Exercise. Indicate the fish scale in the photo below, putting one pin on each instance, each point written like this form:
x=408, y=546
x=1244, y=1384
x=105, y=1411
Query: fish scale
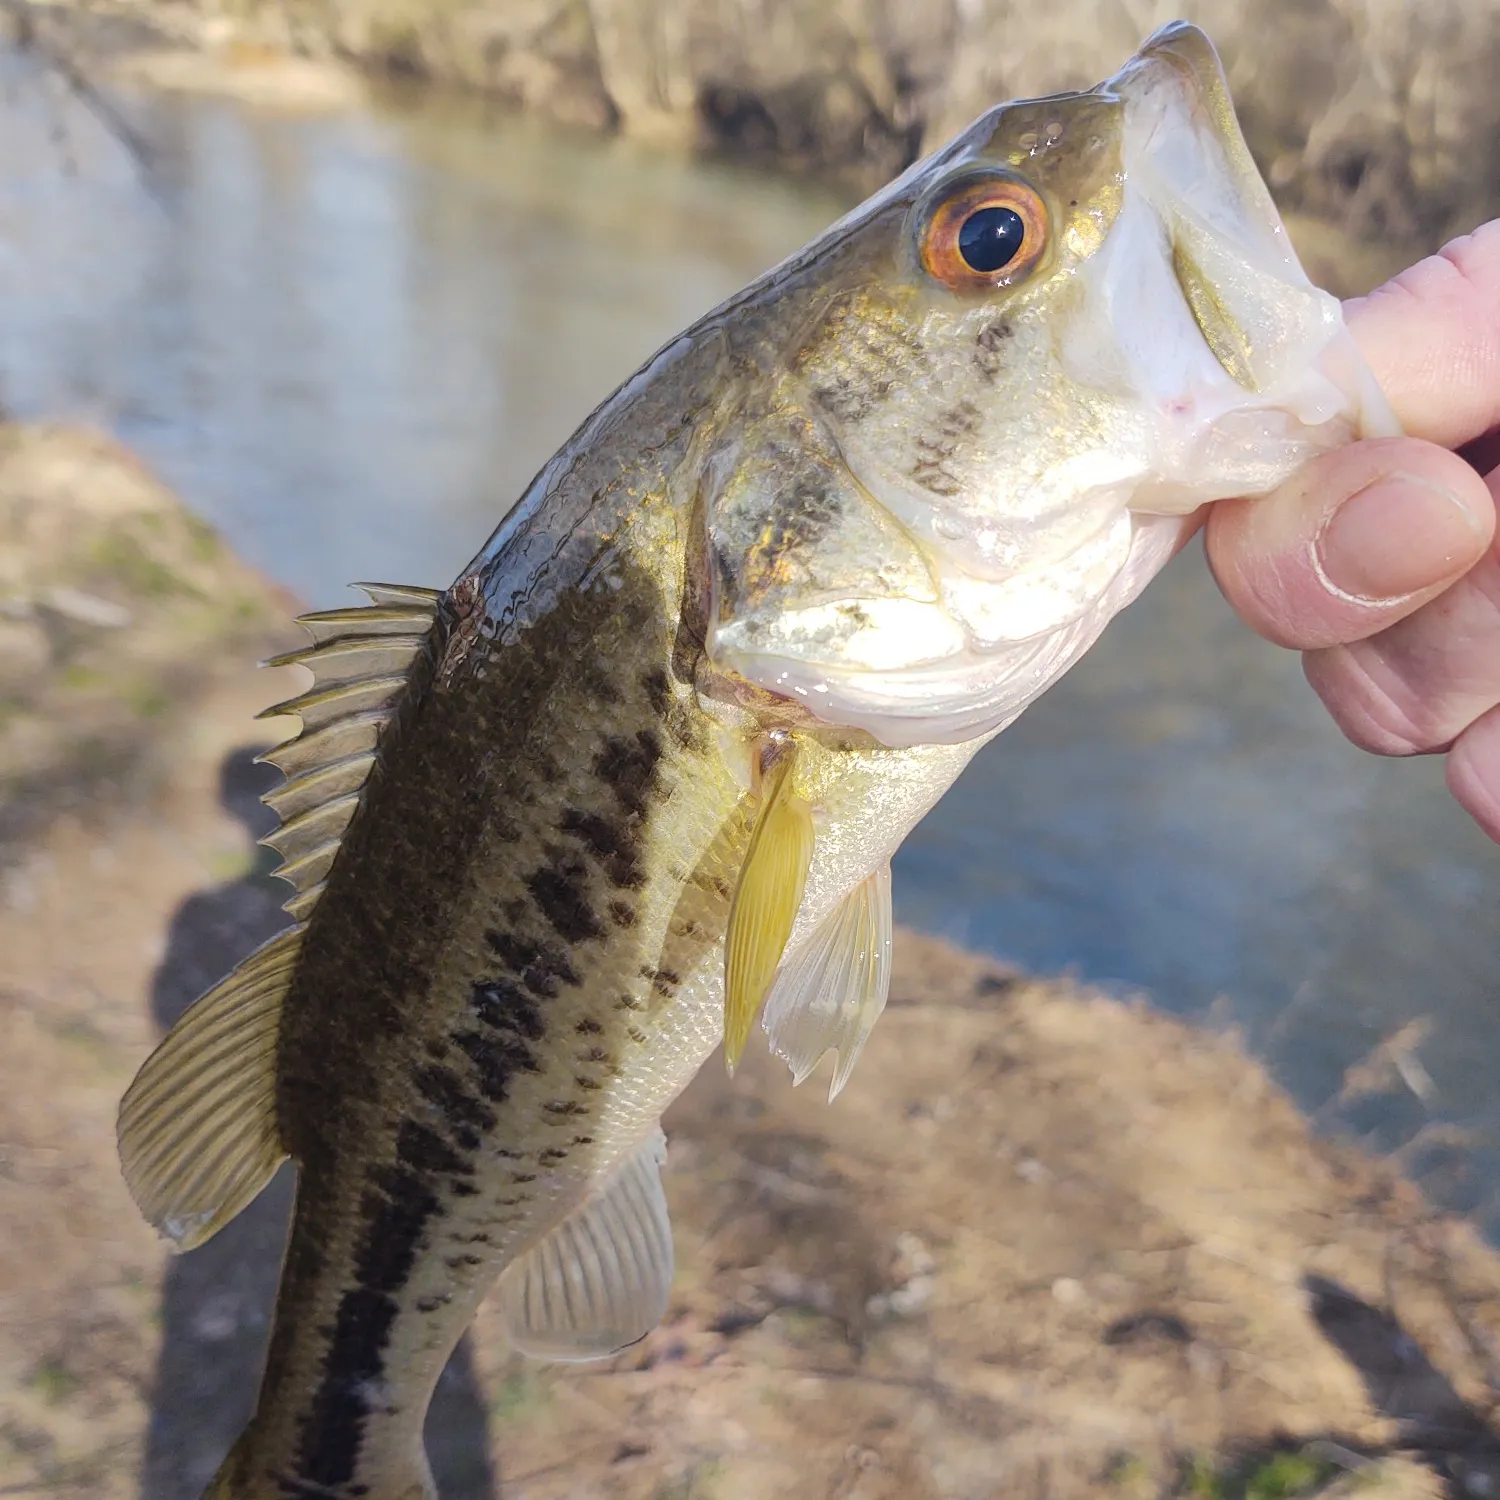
x=638, y=775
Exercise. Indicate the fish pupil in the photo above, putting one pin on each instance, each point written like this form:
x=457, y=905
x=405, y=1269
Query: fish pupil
x=990, y=238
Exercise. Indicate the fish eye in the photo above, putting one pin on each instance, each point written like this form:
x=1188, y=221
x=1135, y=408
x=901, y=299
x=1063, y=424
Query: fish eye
x=984, y=232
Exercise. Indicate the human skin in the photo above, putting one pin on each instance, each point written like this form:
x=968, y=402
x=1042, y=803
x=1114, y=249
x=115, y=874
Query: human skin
x=1378, y=561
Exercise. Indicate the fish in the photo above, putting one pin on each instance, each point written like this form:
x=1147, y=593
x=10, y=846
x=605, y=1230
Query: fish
x=635, y=778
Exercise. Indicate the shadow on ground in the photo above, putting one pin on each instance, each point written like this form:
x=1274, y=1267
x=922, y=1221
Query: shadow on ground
x=216, y=1303
x=1451, y=1435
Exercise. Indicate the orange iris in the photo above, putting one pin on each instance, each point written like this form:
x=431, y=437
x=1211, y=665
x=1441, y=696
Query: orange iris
x=988, y=231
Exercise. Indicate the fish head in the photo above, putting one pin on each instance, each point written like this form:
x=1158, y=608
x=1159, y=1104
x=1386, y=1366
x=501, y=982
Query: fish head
x=990, y=400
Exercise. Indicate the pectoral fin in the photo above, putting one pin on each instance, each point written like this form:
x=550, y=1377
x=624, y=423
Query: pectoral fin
x=599, y=1281
x=831, y=991
x=766, y=901
x=197, y=1129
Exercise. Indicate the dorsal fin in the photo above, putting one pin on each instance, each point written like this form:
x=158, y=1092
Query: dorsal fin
x=360, y=659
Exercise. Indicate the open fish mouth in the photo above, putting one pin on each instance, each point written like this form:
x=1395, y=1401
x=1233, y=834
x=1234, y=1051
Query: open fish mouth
x=1244, y=361
x=1168, y=351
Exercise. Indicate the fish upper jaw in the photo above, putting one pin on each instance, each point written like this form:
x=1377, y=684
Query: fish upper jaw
x=1241, y=368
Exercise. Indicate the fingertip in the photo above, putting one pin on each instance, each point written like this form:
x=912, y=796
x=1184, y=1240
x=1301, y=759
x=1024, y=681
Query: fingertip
x=1432, y=337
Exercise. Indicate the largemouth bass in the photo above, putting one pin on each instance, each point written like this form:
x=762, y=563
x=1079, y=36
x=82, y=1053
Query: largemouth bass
x=639, y=773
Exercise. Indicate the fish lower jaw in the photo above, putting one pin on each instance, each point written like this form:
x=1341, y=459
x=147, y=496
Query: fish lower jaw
x=978, y=691
x=1221, y=441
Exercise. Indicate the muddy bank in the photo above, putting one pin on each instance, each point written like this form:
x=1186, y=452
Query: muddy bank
x=117, y=608
x=1379, y=120
x=1046, y=1244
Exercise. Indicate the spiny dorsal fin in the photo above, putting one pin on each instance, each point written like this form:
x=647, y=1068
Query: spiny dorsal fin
x=600, y=1280
x=360, y=659
x=197, y=1128
x=830, y=992
x=766, y=902
x=402, y=593
x=324, y=706
x=337, y=779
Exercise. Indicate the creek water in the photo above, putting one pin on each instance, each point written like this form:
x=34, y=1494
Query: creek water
x=349, y=341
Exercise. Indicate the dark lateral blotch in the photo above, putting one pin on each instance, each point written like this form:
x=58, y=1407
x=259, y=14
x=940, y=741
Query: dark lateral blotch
x=445, y=1090
x=516, y=952
x=355, y=1360
x=616, y=845
x=424, y=1150
x=629, y=767
x=492, y=1071
x=658, y=690
x=506, y=1006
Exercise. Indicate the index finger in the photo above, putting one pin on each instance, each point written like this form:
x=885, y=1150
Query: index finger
x=1432, y=338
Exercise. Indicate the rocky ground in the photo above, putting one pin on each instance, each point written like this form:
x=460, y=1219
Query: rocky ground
x=1046, y=1244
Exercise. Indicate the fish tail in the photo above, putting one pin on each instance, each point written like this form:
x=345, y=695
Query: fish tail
x=242, y=1477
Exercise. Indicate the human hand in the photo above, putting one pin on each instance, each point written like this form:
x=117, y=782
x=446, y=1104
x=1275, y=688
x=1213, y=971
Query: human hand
x=1378, y=561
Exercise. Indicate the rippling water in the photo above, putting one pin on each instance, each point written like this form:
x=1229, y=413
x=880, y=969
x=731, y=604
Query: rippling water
x=350, y=342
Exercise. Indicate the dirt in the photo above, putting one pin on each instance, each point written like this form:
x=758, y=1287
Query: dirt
x=117, y=608
x=1045, y=1244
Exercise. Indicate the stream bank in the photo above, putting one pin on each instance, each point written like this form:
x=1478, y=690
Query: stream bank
x=1047, y=1243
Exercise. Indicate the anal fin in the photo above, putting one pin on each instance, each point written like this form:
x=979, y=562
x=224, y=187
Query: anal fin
x=600, y=1280
x=830, y=992
x=197, y=1129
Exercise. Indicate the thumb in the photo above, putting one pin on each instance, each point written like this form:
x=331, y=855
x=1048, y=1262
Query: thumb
x=1353, y=542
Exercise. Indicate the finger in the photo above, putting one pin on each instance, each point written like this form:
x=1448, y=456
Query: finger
x=1417, y=686
x=1357, y=540
x=1432, y=337
x=1473, y=772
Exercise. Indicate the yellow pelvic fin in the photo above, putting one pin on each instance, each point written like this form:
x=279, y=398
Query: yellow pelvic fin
x=765, y=905
x=197, y=1129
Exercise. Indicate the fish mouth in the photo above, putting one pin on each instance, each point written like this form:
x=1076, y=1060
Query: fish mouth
x=1220, y=325
x=1186, y=157
x=1176, y=77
